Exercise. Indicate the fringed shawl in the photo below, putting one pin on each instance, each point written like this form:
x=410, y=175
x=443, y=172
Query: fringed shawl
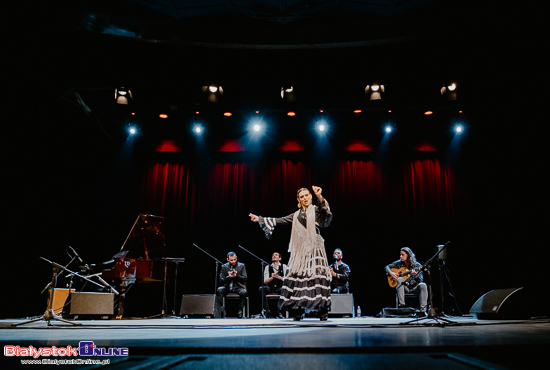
x=307, y=249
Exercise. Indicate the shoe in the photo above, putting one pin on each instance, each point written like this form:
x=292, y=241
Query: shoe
x=299, y=317
x=268, y=314
x=323, y=317
x=280, y=316
x=401, y=306
x=240, y=314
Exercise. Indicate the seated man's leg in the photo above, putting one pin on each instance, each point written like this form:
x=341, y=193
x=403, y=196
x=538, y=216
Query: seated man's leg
x=264, y=290
x=422, y=291
x=219, y=310
x=277, y=310
x=400, y=291
x=423, y=288
x=242, y=299
x=341, y=289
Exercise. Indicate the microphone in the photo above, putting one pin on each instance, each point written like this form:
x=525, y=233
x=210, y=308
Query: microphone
x=76, y=254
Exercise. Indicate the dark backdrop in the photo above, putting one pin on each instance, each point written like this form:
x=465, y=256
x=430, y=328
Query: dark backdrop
x=69, y=183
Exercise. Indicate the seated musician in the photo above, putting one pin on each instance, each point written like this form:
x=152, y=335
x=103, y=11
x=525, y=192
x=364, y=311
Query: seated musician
x=340, y=274
x=232, y=280
x=273, y=281
x=407, y=266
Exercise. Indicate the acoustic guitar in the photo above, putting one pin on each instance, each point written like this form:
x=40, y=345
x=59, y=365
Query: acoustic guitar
x=401, y=272
x=410, y=280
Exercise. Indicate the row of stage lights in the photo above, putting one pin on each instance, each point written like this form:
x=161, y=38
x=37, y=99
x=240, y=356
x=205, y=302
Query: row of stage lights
x=374, y=91
x=198, y=129
x=257, y=125
x=124, y=96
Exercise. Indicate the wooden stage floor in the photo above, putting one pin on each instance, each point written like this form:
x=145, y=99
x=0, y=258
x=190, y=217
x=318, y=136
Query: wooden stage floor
x=342, y=343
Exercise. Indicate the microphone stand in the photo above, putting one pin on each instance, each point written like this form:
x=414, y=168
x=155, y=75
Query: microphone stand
x=432, y=314
x=264, y=264
x=218, y=263
x=59, y=272
x=50, y=315
x=441, y=266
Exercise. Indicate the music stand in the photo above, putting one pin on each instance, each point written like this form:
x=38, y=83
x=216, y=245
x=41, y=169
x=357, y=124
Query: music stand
x=432, y=314
x=49, y=314
x=164, y=312
x=264, y=264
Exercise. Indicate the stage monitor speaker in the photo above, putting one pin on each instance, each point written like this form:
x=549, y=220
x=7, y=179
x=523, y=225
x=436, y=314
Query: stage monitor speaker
x=89, y=303
x=198, y=305
x=512, y=303
x=342, y=304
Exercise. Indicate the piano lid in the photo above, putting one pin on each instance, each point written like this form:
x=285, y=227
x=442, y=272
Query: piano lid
x=145, y=239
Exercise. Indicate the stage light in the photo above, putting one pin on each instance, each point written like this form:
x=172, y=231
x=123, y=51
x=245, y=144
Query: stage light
x=388, y=129
x=375, y=91
x=321, y=126
x=198, y=129
x=428, y=113
x=132, y=130
x=291, y=114
x=449, y=91
x=287, y=93
x=212, y=92
x=228, y=114
x=163, y=115
x=256, y=125
x=213, y=89
x=123, y=95
x=286, y=90
x=357, y=111
x=459, y=129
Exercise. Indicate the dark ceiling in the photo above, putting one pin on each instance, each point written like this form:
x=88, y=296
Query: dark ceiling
x=166, y=50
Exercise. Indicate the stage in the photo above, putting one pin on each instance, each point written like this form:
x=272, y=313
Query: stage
x=345, y=343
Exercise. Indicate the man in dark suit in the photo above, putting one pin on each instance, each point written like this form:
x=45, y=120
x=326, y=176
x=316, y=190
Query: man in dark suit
x=232, y=280
x=340, y=274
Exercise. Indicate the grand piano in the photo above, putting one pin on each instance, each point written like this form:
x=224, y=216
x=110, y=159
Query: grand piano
x=141, y=258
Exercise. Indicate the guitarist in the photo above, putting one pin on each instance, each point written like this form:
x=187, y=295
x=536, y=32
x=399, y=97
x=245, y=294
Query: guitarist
x=410, y=278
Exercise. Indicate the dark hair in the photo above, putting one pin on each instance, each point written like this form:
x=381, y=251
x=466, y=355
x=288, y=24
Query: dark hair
x=231, y=254
x=412, y=256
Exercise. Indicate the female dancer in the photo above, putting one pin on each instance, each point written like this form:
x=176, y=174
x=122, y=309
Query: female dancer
x=306, y=286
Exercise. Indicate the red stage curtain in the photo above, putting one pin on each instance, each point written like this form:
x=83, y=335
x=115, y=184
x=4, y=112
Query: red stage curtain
x=426, y=191
x=421, y=191
x=168, y=189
